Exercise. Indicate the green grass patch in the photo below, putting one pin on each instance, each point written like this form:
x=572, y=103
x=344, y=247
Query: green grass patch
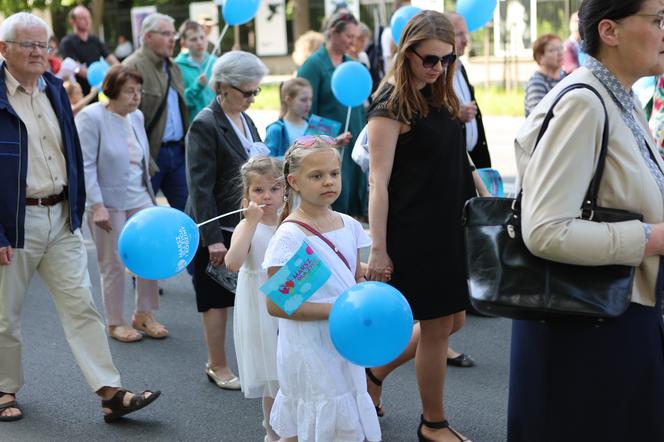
x=268, y=99
x=493, y=101
x=500, y=102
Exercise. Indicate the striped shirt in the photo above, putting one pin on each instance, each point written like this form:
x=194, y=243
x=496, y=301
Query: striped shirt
x=537, y=87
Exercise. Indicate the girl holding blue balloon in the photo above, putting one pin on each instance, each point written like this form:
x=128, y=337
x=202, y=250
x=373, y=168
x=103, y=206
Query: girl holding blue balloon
x=254, y=330
x=322, y=396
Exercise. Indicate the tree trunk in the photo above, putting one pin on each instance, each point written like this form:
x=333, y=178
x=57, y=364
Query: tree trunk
x=97, y=11
x=301, y=22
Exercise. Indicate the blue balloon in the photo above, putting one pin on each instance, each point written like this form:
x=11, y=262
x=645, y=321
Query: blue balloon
x=351, y=83
x=370, y=324
x=239, y=12
x=400, y=19
x=96, y=73
x=158, y=242
x=476, y=12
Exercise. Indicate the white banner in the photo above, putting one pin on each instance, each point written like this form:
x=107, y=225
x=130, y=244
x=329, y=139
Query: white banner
x=352, y=5
x=138, y=14
x=434, y=5
x=271, y=28
x=199, y=10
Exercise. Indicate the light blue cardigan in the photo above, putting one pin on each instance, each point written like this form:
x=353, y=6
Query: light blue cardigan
x=106, y=156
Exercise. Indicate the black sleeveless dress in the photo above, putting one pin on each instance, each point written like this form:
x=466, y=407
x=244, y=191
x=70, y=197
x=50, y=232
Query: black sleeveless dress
x=430, y=182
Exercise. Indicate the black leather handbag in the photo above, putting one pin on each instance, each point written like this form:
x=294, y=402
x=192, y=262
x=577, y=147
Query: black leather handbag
x=505, y=279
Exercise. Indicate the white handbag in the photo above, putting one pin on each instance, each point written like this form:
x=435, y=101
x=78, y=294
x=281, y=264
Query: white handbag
x=360, y=153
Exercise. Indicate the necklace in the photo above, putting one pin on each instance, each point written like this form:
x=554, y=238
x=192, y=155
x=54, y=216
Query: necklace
x=312, y=219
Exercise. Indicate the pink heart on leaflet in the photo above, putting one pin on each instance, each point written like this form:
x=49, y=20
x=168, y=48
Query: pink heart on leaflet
x=284, y=290
x=290, y=284
x=309, y=251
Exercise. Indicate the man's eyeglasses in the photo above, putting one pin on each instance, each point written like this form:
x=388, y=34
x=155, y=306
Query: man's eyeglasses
x=32, y=45
x=660, y=16
x=247, y=94
x=429, y=61
x=310, y=140
x=167, y=34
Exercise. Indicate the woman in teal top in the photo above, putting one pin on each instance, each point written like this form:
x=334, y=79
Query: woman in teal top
x=318, y=69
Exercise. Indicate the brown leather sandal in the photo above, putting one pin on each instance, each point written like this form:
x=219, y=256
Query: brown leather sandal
x=10, y=404
x=124, y=333
x=148, y=325
x=119, y=409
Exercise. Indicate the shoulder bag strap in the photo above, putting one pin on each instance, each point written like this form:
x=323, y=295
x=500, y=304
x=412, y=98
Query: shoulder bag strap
x=590, y=201
x=325, y=240
x=153, y=122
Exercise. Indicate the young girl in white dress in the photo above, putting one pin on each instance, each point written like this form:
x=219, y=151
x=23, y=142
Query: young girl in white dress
x=322, y=397
x=254, y=330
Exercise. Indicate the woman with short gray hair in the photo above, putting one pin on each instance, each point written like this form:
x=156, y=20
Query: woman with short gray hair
x=221, y=138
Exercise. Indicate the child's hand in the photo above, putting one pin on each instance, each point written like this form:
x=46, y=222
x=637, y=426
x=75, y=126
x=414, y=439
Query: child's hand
x=202, y=80
x=253, y=214
x=344, y=139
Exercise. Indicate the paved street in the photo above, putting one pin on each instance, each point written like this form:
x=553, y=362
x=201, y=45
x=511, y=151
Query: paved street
x=58, y=405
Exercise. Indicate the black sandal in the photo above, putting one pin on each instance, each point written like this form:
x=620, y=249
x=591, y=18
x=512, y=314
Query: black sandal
x=119, y=409
x=436, y=426
x=10, y=404
x=463, y=360
x=379, y=408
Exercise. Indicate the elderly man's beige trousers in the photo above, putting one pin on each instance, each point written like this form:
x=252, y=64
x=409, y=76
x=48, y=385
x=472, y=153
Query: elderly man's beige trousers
x=60, y=258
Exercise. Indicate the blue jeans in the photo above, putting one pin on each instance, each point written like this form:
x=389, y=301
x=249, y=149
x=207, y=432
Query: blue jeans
x=171, y=178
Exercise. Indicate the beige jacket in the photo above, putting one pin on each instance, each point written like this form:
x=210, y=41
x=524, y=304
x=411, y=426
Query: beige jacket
x=151, y=68
x=555, y=180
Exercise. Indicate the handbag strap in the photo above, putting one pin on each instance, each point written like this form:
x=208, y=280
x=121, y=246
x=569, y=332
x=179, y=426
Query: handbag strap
x=153, y=122
x=325, y=240
x=590, y=201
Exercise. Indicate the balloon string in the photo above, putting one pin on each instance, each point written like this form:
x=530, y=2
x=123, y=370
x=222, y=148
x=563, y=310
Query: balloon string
x=216, y=47
x=348, y=119
x=225, y=215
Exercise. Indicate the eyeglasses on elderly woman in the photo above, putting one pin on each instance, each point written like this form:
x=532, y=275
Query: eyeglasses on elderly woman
x=247, y=94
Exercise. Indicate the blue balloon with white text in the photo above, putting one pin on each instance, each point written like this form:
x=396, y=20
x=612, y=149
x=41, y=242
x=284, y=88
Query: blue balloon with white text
x=351, y=83
x=370, y=324
x=158, y=242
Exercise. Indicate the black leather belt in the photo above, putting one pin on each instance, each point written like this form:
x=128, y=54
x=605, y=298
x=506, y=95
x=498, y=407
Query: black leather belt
x=51, y=200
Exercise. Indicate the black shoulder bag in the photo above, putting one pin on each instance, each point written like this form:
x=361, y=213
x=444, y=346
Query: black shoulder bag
x=505, y=279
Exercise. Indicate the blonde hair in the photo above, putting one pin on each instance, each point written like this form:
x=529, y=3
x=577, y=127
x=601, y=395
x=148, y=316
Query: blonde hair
x=290, y=89
x=259, y=166
x=405, y=100
x=305, y=45
x=292, y=162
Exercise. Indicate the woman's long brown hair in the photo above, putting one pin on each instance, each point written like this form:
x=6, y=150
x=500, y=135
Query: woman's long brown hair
x=406, y=101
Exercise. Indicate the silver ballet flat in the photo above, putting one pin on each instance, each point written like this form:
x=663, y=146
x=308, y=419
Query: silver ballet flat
x=230, y=384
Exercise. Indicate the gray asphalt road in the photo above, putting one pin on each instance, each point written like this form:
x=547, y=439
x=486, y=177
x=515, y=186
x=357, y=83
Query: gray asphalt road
x=58, y=405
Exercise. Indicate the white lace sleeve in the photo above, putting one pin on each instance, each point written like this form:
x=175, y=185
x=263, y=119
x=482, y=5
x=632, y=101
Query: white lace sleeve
x=283, y=245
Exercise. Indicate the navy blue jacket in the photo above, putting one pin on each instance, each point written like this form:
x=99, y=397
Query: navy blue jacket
x=14, y=162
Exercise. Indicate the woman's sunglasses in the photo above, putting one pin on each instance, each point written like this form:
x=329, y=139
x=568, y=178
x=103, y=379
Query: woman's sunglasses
x=429, y=61
x=247, y=94
x=310, y=140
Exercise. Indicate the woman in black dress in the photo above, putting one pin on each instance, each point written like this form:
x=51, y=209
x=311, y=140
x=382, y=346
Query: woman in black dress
x=420, y=179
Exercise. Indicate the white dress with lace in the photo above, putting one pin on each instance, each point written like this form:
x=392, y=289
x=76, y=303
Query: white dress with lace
x=322, y=397
x=254, y=330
